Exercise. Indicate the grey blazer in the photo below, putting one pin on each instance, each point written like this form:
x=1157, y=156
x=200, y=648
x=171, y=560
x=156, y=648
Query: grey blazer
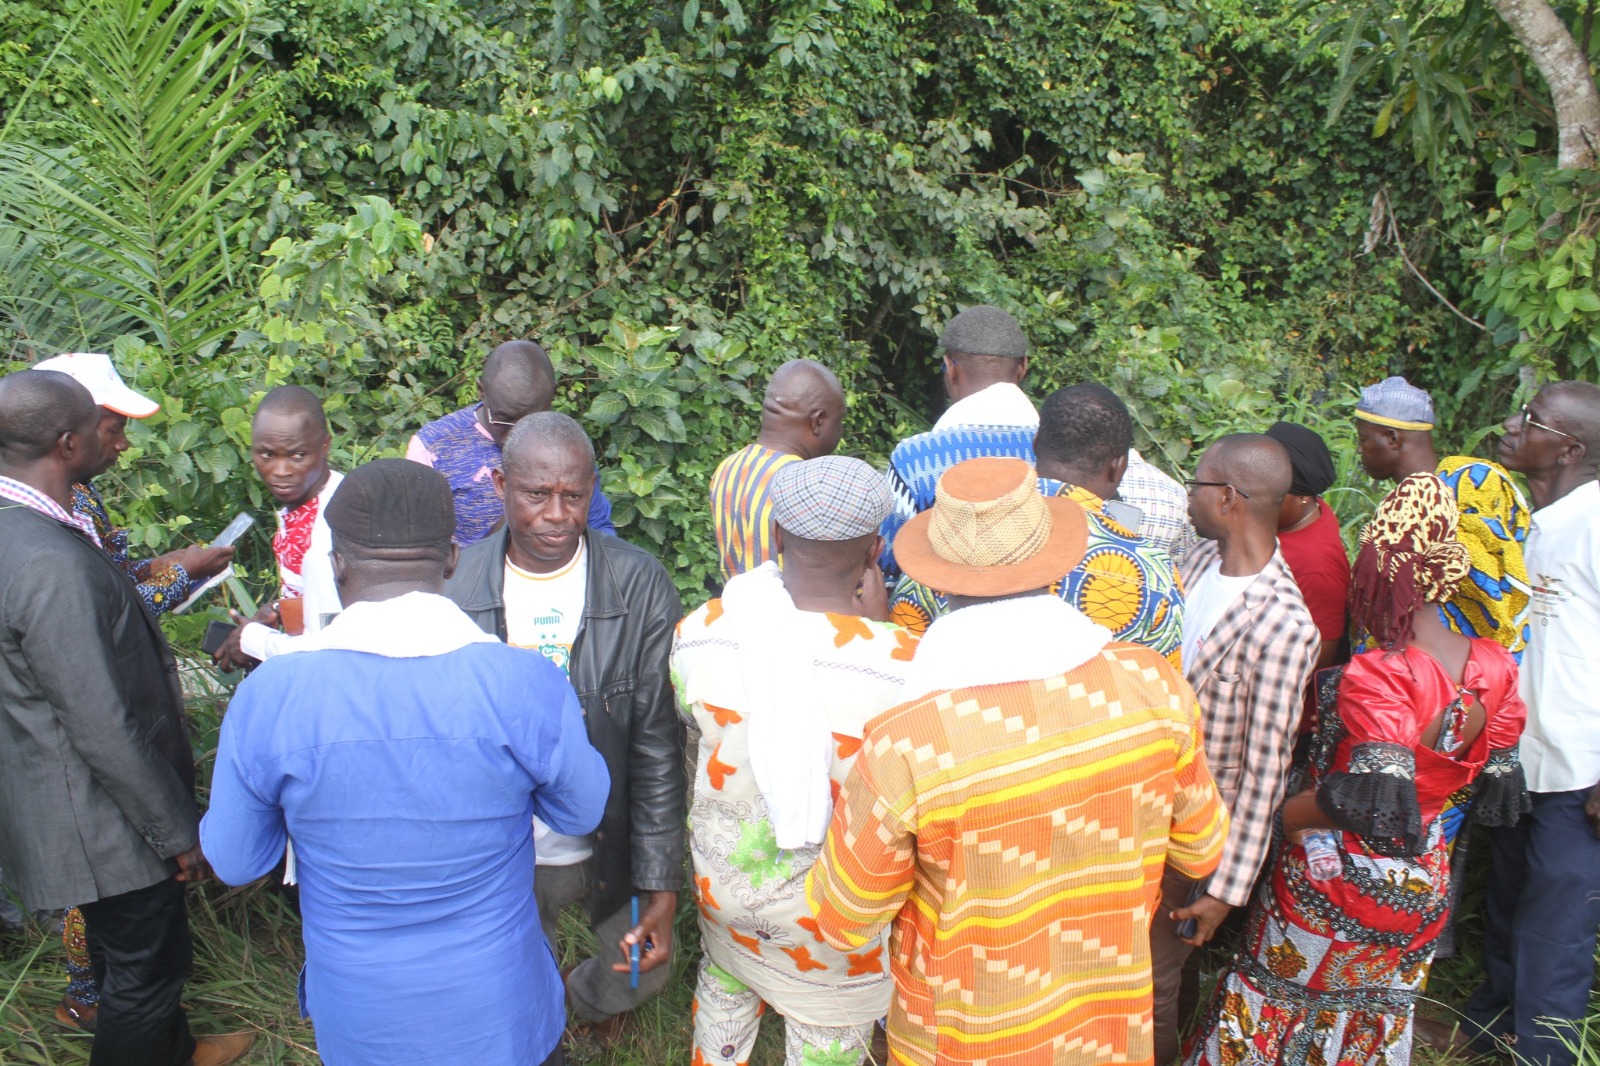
x=96, y=772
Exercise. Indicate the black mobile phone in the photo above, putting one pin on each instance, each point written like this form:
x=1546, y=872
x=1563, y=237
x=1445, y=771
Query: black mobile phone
x=216, y=636
x=1190, y=926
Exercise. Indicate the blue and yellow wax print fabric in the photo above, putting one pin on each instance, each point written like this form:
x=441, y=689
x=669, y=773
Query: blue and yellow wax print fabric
x=1493, y=600
x=1124, y=583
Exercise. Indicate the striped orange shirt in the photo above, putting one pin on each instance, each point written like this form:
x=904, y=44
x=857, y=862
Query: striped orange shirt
x=1015, y=835
x=741, y=506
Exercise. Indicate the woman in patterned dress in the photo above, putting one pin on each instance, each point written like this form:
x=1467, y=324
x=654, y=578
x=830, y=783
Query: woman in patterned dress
x=1419, y=729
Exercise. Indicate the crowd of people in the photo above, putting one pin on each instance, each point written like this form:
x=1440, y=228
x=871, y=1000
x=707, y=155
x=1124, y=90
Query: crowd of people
x=961, y=764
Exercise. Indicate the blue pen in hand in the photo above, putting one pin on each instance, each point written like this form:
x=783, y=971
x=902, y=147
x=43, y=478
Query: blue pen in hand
x=633, y=949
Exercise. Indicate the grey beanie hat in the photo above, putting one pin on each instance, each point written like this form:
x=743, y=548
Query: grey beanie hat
x=984, y=330
x=393, y=504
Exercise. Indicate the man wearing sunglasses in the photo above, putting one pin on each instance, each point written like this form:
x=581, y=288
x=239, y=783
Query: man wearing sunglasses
x=1394, y=432
x=1542, y=908
x=464, y=446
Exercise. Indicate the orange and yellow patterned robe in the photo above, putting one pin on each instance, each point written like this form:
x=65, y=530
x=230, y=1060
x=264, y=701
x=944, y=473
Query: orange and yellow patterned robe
x=1015, y=835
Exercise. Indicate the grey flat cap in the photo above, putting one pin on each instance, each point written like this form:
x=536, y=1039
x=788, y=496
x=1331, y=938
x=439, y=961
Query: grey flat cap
x=832, y=497
x=984, y=330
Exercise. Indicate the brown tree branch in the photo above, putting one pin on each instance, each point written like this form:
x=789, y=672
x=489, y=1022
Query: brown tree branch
x=1565, y=67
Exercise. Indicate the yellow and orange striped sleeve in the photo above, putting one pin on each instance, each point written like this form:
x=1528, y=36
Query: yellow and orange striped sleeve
x=1199, y=817
x=866, y=869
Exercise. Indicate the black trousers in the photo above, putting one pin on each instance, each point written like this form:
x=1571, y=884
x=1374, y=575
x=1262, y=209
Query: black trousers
x=140, y=950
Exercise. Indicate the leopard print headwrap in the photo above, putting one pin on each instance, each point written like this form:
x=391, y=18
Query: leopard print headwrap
x=1408, y=556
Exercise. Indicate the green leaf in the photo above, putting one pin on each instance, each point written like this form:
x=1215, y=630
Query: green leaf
x=607, y=408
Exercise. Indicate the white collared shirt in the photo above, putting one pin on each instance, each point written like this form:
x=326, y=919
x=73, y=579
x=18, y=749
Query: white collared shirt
x=1001, y=404
x=1560, y=676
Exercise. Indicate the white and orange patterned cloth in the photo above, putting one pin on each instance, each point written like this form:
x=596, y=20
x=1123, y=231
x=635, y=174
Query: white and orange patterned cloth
x=754, y=921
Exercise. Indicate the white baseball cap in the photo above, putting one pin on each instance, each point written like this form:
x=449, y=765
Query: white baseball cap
x=93, y=370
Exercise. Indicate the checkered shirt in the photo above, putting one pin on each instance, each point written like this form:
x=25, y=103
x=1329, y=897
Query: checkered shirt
x=1250, y=678
x=1164, y=502
x=30, y=497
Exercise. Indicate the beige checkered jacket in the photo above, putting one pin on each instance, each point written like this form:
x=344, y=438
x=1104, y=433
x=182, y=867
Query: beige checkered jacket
x=1249, y=677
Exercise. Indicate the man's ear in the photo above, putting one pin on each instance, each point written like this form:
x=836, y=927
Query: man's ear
x=498, y=477
x=451, y=561
x=777, y=540
x=1022, y=369
x=874, y=552
x=337, y=562
x=1117, y=468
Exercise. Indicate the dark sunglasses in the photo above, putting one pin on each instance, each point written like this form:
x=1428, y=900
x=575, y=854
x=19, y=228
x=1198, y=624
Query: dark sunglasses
x=490, y=419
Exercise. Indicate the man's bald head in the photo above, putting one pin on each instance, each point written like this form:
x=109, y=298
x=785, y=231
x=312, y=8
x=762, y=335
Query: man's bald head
x=1256, y=465
x=39, y=407
x=803, y=412
x=1238, y=489
x=802, y=383
x=294, y=402
x=518, y=380
x=546, y=431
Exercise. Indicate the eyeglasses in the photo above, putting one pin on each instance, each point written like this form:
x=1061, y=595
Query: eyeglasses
x=1191, y=484
x=1528, y=420
x=490, y=419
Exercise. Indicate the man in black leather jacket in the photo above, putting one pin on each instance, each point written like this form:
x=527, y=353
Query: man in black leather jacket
x=605, y=611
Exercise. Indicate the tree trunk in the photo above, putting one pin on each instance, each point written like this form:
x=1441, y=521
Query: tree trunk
x=1566, y=71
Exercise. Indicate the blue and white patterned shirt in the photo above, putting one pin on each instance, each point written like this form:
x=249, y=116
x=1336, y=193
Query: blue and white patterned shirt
x=1165, y=505
x=998, y=422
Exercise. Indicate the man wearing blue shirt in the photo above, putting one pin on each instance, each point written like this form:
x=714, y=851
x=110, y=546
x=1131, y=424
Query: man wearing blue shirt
x=985, y=360
x=405, y=753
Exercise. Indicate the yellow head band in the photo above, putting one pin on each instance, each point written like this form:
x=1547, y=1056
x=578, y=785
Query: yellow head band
x=1392, y=423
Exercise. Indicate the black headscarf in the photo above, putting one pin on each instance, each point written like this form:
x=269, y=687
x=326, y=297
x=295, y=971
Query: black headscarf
x=1313, y=465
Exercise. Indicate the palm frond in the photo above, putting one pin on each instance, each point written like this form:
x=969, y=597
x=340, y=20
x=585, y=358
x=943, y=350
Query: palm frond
x=144, y=214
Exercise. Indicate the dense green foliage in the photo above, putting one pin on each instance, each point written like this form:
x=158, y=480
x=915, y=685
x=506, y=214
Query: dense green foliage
x=365, y=195
x=1229, y=210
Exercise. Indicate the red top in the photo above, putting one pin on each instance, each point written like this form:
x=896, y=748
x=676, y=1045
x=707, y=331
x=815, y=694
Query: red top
x=1391, y=698
x=1317, y=559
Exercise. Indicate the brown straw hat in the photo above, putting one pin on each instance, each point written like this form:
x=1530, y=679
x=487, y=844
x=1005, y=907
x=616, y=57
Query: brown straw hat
x=991, y=533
